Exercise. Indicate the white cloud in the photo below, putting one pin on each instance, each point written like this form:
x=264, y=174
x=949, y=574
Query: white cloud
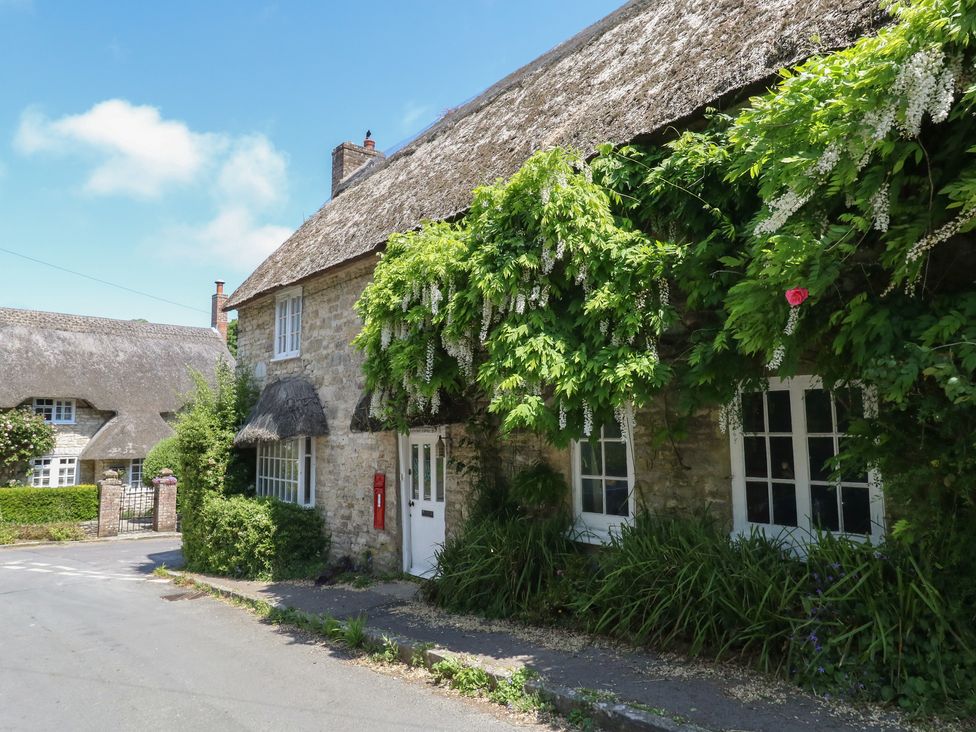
x=254, y=173
x=137, y=151
x=232, y=236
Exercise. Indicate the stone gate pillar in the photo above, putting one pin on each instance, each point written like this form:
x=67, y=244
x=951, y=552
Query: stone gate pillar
x=164, y=513
x=109, y=498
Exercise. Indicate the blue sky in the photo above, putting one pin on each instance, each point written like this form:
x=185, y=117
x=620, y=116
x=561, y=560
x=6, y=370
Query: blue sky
x=161, y=146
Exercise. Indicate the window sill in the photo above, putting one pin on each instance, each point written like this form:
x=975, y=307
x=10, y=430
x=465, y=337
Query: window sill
x=591, y=532
x=286, y=357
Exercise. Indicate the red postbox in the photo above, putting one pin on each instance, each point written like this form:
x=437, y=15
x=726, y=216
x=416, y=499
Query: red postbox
x=379, y=500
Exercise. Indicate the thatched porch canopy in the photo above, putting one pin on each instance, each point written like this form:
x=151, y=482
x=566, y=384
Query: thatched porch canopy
x=286, y=408
x=127, y=436
x=454, y=410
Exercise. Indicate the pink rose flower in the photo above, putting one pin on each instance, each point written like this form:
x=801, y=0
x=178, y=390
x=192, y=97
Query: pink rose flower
x=797, y=295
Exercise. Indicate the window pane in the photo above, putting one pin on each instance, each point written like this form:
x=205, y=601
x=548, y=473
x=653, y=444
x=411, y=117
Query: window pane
x=852, y=472
x=590, y=458
x=415, y=472
x=752, y=412
x=857, y=510
x=818, y=411
x=824, y=503
x=781, y=457
x=427, y=475
x=615, y=454
x=617, y=503
x=757, y=503
x=592, y=495
x=755, y=450
x=611, y=430
x=784, y=504
x=779, y=411
x=821, y=450
x=850, y=405
x=439, y=490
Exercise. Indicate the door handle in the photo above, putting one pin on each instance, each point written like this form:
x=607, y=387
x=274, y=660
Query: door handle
x=410, y=503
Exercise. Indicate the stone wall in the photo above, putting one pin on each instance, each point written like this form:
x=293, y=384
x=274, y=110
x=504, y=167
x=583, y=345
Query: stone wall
x=682, y=477
x=345, y=460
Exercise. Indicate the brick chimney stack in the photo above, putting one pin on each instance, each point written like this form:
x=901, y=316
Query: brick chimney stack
x=349, y=157
x=218, y=318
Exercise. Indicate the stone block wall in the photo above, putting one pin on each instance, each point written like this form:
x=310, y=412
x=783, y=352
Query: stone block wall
x=345, y=461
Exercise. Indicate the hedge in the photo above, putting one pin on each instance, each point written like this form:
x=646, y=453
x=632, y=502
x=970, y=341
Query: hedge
x=26, y=505
x=256, y=538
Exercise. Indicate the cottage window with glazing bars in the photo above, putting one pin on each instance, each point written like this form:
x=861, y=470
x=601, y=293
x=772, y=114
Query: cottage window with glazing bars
x=783, y=481
x=603, y=483
x=288, y=324
x=286, y=470
x=48, y=472
x=56, y=411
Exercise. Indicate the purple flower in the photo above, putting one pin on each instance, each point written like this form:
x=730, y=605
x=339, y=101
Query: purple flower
x=820, y=669
x=812, y=638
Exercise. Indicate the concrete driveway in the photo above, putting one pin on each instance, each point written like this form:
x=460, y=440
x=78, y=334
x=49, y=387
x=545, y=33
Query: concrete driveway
x=89, y=641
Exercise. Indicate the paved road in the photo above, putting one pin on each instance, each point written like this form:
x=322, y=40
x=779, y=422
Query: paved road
x=87, y=641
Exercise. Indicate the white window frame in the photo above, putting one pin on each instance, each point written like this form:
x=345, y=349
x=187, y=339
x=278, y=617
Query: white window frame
x=49, y=408
x=805, y=532
x=276, y=478
x=598, y=528
x=60, y=471
x=288, y=324
x=135, y=468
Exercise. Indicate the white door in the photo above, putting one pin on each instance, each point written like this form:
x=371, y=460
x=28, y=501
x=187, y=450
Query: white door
x=423, y=487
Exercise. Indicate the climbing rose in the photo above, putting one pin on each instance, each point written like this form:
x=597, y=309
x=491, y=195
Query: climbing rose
x=797, y=295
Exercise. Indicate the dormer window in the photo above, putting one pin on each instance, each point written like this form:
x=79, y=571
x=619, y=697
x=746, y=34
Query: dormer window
x=288, y=324
x=56, y=411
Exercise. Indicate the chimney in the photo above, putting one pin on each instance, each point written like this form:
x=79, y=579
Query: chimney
x=349, y=157
x=218, y=318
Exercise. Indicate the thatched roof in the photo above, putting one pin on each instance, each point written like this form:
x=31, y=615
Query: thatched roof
x=643, y=67
x=286, y=408
x=137, y=370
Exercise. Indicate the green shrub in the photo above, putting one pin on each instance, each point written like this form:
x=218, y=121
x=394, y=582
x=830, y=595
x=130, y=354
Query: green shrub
x=165, y=454
x=258, y=538
x=26, y=505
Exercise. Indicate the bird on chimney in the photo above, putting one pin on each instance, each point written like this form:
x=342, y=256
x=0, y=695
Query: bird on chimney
x=368, y=134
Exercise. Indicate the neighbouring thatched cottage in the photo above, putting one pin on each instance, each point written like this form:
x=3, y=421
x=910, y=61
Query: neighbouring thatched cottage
x=110, y=388
x=646, y=67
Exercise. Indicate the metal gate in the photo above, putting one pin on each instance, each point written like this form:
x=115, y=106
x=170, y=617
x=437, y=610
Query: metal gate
x=137, y=508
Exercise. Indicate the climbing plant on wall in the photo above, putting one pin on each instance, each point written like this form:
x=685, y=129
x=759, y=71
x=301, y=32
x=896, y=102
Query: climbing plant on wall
x=574, y=291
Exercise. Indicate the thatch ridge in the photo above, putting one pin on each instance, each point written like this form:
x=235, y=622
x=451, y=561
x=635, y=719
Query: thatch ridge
x=286, y=408
x=643, y=67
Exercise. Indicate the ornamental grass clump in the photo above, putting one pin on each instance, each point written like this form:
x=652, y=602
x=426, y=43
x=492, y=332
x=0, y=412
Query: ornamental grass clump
x=887, y=623
x=507, y=562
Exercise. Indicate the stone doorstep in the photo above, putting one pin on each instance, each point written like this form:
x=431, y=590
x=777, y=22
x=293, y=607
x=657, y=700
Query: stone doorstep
x=609, y=715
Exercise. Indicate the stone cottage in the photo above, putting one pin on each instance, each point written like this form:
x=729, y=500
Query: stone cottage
x=646, y=67
x=110, y=388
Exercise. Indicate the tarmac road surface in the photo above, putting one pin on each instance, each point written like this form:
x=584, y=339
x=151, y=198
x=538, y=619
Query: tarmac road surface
x=88, y=641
